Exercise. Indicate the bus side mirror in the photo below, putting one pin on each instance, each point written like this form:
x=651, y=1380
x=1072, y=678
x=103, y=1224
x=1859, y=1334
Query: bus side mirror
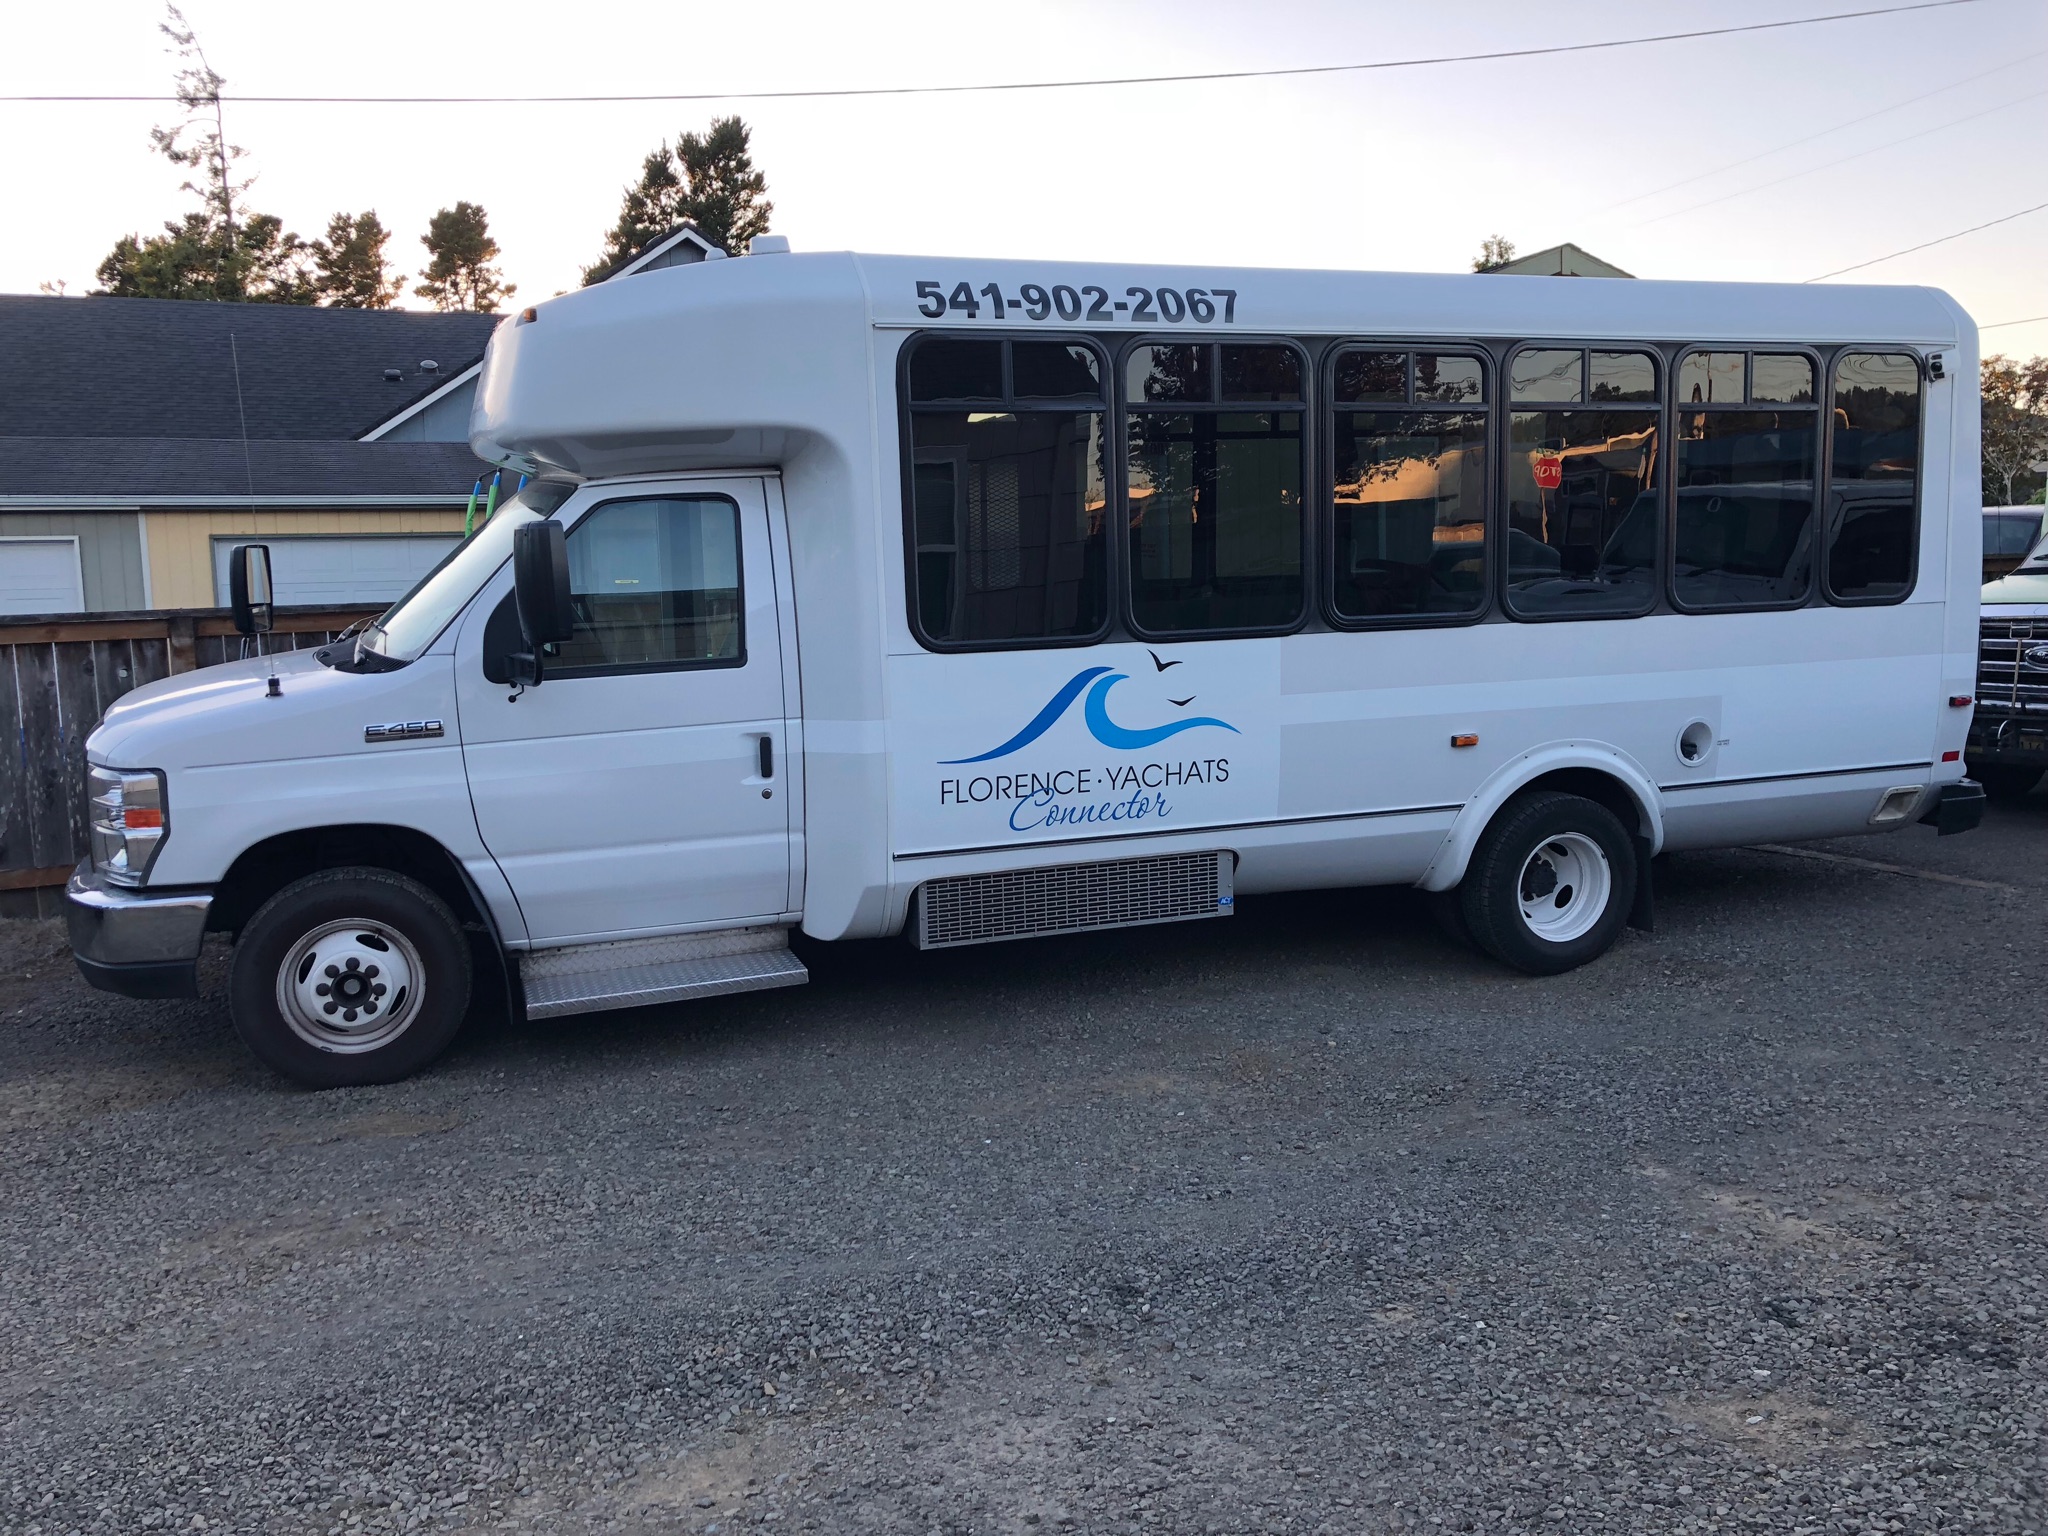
x=249, y=588
x=540, y=590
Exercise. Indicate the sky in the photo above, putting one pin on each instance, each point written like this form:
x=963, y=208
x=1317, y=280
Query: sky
x=1734, y=157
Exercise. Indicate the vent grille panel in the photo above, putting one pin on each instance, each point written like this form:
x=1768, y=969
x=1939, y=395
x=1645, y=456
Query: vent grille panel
x=1073, y=898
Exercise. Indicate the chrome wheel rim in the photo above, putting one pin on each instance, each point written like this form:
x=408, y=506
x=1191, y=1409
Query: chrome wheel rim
x=1564, y=887
x=351, y=986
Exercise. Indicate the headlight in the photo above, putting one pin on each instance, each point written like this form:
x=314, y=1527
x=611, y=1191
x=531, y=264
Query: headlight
x=128, y=822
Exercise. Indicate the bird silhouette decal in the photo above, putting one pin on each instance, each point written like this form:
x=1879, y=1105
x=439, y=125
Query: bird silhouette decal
x=1182, y=703
x=1157, y=664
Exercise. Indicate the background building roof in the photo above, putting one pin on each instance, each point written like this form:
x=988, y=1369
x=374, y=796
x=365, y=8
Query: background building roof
x=1565, y=260
x=160, y=471
x=165, y=368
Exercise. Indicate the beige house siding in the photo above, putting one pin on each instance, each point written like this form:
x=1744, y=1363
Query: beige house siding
x=180, y=543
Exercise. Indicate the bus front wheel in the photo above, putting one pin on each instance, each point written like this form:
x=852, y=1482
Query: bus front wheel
x=348, y=977
x=1550, y=884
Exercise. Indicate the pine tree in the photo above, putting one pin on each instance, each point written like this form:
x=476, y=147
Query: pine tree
x=222, y=251
x=708, y=180
x=1495, y=252
x=350, y=270
x=460, y=274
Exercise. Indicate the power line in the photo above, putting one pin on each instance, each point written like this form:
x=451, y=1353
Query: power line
x=1925, y=244
x=1034, y=85
x=1736, y=165
x=1828, y=165
x=1999, y=325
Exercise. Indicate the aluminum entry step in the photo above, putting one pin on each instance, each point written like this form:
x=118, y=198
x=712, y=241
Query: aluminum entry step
x=588, y=978
x=1074, y=898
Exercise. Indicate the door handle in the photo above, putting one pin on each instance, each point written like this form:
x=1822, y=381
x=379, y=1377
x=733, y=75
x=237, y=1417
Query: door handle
x=767, y=757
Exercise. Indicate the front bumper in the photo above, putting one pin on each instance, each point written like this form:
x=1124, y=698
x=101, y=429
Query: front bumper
x=137, y=943
x=2014, y=738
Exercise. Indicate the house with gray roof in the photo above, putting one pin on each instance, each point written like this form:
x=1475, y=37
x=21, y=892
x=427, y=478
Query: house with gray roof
x=141, y=439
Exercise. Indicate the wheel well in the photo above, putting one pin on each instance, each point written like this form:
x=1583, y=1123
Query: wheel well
x=1601, y=788
x=268, y=867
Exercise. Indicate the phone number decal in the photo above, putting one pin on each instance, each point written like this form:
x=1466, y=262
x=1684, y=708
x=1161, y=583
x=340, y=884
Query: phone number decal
x=1034, y=301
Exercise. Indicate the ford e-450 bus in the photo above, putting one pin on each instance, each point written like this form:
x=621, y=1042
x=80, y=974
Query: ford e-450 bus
x=976, y=600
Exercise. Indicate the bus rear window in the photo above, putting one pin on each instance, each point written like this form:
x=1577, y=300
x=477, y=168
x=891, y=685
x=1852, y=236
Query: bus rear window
x=1873, y=487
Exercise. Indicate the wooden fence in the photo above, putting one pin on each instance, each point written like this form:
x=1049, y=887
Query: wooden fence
x=57, y=677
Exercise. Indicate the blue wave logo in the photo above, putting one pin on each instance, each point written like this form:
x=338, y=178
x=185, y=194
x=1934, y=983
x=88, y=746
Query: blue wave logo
x=1096, y=713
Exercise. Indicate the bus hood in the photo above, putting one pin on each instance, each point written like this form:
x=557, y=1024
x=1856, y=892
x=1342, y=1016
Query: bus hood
x=226, y=714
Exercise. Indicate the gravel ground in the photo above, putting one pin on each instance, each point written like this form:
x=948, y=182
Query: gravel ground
x=1303, y=1221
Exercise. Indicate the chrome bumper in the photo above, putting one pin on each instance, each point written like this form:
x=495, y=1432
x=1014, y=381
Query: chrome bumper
x=138, y=943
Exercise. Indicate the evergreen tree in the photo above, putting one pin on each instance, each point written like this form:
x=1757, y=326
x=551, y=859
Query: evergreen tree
x=222, y=251
x=460, y=274
x=1495, y=252
x=707, y=179
x=350, y=270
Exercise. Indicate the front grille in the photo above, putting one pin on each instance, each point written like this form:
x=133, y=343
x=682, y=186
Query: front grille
x=2004, y=681
x=1072, y=898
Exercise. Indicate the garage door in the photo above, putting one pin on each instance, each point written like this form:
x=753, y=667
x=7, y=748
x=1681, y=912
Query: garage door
x=40, y=576
x=325, y=570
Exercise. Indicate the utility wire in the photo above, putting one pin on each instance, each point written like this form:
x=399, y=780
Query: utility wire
x=1925, y=244
x=1037, y=85
x=1828, y=165
x=1736, y=165
x=1999, y=325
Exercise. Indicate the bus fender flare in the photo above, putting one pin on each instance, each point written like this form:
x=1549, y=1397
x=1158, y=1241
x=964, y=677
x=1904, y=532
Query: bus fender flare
x=1512, y=777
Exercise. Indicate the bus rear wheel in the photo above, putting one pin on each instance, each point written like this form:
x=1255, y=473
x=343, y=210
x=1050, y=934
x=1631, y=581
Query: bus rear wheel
x=1550, y=884
x=348, y=977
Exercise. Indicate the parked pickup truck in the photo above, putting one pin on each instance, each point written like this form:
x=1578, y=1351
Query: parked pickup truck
x=2008, y=746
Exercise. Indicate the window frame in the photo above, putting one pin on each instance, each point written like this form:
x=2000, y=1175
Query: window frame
x=1666, y=369
x=561, y=671
x=906, y=409
x=1827, y=449
x=1326, y=496
x=1673, y=408
x=1123, y=608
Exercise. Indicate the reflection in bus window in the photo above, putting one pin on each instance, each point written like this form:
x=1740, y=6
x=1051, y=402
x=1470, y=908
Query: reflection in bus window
x=1873, y=486
x=1582, y=512
x=1744, y=532
x=1548, y=375
x=1710, y=378
x=1409, y=512
x=1215, y=508
x=1582, y=487
x=1215, y=493
x=1009, y=524
x=1006, y=495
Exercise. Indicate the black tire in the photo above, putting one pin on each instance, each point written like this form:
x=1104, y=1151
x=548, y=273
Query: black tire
x=1447, y=911
x=1571, y=829
x=362, y=913
x=2006, y=781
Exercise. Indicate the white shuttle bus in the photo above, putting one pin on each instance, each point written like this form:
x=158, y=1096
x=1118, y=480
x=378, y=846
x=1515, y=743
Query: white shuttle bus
x=975, y=600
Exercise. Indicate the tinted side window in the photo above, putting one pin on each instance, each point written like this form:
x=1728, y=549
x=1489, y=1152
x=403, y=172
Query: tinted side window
x=1215, y=489
x=1874, y=483
x=656, y=583
x=1409, y=510
x=1006, y=494
x=1746, y=449
x=1582, y=515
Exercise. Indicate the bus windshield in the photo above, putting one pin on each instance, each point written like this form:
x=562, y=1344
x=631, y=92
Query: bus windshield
x=404, y=630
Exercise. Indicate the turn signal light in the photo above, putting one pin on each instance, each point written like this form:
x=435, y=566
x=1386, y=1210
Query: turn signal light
x=137, y=818
x=1464, y=741
x=1960, y=701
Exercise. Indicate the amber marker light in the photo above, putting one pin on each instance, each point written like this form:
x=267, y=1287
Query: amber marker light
x=1464, y=741
x=139, y=818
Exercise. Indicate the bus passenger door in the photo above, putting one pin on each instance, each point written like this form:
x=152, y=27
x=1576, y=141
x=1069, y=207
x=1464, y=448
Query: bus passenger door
x=646, y=784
